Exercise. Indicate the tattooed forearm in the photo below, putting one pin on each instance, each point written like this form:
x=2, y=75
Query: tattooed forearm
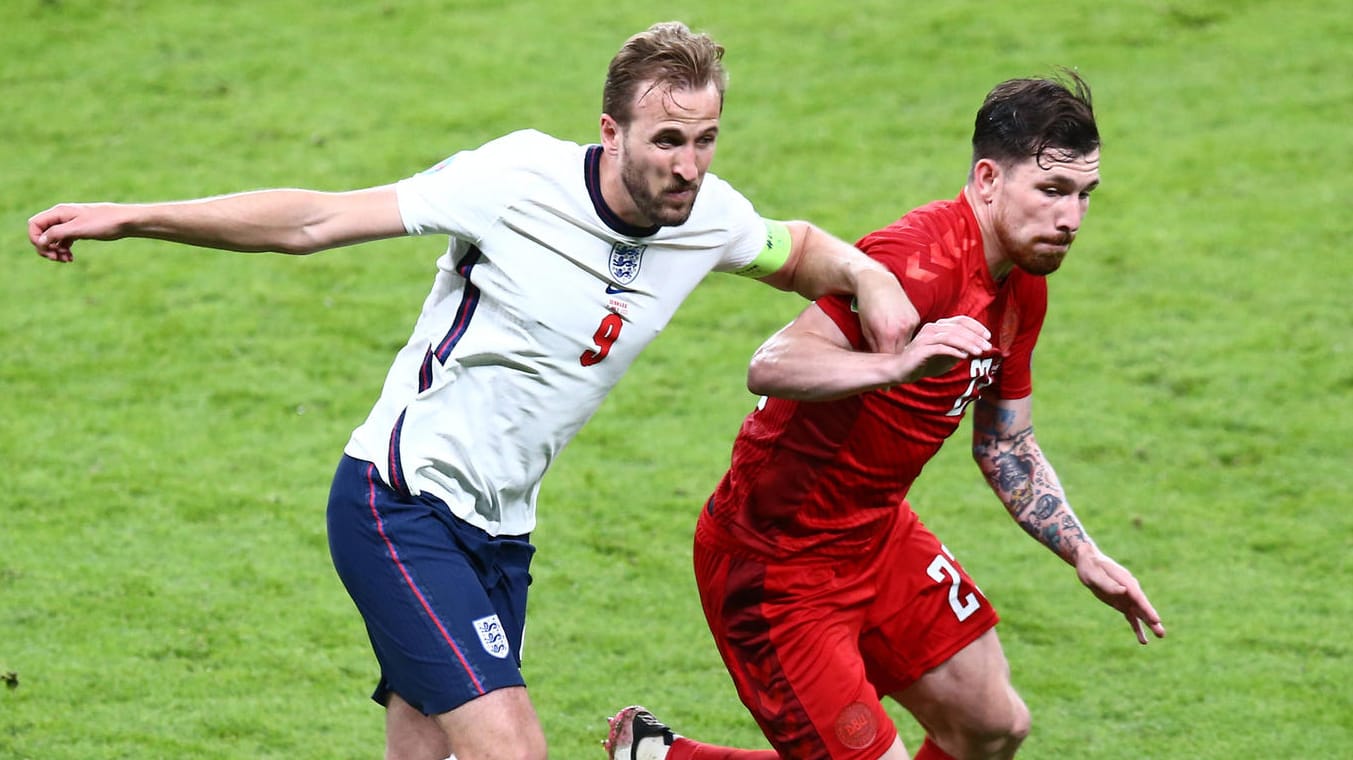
x=1047, y=504
x=1054, y=524
x=1049, y=536
x=1012, y=475
x=1015, y=468
x=1066, y=538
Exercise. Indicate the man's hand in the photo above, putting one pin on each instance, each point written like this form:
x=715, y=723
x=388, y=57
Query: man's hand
x=941, y=344
x=54, y=231
x=1116, y=587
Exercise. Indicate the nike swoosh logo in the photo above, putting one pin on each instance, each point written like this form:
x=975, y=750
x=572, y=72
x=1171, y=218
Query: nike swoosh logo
x=612, y=290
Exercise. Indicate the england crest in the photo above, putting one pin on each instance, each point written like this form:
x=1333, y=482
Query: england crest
x=492, y=636
x=625, y=262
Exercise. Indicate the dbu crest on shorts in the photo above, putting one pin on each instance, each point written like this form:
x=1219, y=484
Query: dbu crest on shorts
x=625, y=261
x=492, y=636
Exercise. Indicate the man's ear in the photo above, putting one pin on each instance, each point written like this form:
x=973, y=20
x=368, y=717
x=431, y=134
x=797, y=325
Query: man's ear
x=986, y=178
x=610, y=135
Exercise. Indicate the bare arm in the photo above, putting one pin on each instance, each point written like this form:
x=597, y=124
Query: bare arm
x=285, y=221
x=810, y=359
x=820, y=264
x=1009, y=456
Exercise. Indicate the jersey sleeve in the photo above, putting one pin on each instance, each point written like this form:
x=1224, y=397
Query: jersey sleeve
x=893, y=248
x=756, y=246
x=464, y=195
x=1015, y=380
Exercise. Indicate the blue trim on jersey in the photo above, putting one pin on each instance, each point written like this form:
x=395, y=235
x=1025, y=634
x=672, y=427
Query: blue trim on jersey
x=425, y=371
x=469, y=300
x=592, y=176
x=396, y=465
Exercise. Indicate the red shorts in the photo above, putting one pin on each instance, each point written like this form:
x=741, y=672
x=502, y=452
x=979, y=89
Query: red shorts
x=812, y=645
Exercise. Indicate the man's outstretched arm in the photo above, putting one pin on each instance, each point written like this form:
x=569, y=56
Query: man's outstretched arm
x=284, y=220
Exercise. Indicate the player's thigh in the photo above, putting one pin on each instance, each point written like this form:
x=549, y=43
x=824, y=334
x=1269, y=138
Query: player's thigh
x=411, y=735
x=968, y=695
x=789, y=638
x=501, y=723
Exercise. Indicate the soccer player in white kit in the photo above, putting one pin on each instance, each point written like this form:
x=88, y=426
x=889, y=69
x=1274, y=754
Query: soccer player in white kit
x=564, y=261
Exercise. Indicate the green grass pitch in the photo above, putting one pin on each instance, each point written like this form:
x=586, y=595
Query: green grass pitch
x=171, y=416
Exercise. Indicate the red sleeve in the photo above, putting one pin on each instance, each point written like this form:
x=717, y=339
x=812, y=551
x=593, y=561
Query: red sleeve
x=1025, y=320
x=841, y=309
x=893, y=247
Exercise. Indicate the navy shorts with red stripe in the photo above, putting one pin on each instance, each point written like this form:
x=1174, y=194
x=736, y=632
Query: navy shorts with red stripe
x=444, y=602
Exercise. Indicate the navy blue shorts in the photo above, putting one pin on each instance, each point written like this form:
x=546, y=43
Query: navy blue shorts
x=443, y=601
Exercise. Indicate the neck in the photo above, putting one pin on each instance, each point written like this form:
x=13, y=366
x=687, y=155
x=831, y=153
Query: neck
x=615, y=195
x=998, y=263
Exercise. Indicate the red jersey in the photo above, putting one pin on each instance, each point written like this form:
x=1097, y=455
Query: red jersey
x=830, y=477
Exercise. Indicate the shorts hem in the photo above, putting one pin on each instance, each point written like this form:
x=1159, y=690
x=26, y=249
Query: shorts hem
x=944, y=655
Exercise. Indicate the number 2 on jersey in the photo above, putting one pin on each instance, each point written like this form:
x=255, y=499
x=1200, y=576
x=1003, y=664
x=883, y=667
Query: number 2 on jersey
x=941, y=570
x=604, y=337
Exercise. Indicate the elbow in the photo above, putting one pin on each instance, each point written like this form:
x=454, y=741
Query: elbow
x=989, y=452
x=982, y=467
x=292, y=243
x=984, y=454
x=759, y=386
x=759, y=375
x=299, y=244
x=312, y=232
x=768, y=375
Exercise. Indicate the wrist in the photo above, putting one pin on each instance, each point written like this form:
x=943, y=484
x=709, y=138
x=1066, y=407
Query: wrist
x=865, y=272
x=1085, y=551
x=871, y=283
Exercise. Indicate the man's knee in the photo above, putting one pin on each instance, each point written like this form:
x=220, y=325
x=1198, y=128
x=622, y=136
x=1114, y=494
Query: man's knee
x=992, y=733
x=987, y=727
x=969, y=705
x=1009, y=732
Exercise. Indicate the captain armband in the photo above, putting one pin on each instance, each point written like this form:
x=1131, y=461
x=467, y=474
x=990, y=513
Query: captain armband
x=773, y=256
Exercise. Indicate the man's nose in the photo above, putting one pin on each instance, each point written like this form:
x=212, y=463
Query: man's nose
x=684, y=164
x=1070, y=213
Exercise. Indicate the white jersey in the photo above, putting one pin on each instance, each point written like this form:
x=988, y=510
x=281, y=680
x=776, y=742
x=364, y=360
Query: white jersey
x=543, y=299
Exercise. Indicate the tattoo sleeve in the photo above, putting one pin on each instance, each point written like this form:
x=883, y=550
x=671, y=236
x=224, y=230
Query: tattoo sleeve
x=1017, y=471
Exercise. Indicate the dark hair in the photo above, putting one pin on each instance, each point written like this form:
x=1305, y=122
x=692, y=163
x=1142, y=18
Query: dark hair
x=1030, y=118
x=666, y=54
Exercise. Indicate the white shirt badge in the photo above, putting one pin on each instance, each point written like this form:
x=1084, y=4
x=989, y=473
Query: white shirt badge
x=625, y=262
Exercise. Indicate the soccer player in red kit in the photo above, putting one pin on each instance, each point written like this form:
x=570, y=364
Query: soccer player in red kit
x=822, y=588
